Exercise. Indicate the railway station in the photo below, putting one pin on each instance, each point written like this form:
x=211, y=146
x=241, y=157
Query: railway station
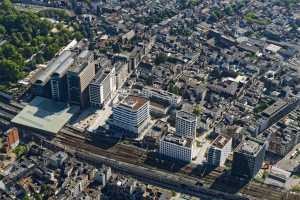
x=45, y=115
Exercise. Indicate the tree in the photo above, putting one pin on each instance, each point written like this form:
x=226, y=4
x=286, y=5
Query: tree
x=161, y=58
x=60, y=26
x=149, y=80
x=2, y=30
x=116, y=48
x=45, y=27
x=78, y=36
x=228, y=10
x=39, y=59
x=198, y=109
x=173, y=193
x=26, y=197
x=6, y=7
x=25, y=34
x=27, y=52
x=51, y=51
x=173, y=88
x=9, y=70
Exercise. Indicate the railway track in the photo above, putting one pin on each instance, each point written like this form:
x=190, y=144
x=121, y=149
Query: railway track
x=6, y=115
x=133, y=156
x=76, y=144
x=9, y=109
x=70, y=136
x=4, y=122
x=262, y=191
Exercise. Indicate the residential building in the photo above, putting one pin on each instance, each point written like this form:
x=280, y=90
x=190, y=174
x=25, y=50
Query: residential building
x=248, y=158
x=132, y=115
x=282, y=141
x=219, y=150
x=285, y=134
x=186, y=124
x=121, y=73
x=159, y=109
x=11, y=139
x=177, y=147
x=152, y=138
x=57, y=159
x=162, y=95
x=135, y=57
x=276, y=111
x=79, y=77
x=102, y=86
x=103, y=175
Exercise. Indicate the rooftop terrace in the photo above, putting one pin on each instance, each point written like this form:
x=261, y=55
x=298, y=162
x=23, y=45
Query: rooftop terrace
x=178, y=140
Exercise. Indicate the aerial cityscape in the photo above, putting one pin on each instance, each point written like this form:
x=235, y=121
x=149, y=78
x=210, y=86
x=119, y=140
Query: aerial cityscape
x=149, y=99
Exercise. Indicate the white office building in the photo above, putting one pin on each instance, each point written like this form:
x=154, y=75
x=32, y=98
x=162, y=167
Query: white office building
x=186, y=124
x=219, y=151
x=177, y=147
x=132, y=115
x=101, y=88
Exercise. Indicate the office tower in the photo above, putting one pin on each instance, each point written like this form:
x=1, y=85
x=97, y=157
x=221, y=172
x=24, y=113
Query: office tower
x=219, y=150
x=79, y=77
x=132, y=115
x=186, y=124
x=59, y=83
x=177, y=147
x=102, y=87
x=248, y=158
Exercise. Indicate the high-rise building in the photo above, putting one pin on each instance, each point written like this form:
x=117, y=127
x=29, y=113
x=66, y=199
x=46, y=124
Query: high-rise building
x=58, y=81
x=132, y=115
x=177, y=147
x=79, y=77
x=219, y=150
x=186, y=124
x=101, y=88
x=248, y=158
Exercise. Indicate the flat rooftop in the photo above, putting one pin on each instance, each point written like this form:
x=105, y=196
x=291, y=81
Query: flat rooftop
x=83, y=59
x=274, y=108
x=45, y=114
x=178, y=140
x=101, y=76
x=250, y=146
x=78, y=67
x=221, y=141
x=134, y=102
x=160, y=92
x=186, y=116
